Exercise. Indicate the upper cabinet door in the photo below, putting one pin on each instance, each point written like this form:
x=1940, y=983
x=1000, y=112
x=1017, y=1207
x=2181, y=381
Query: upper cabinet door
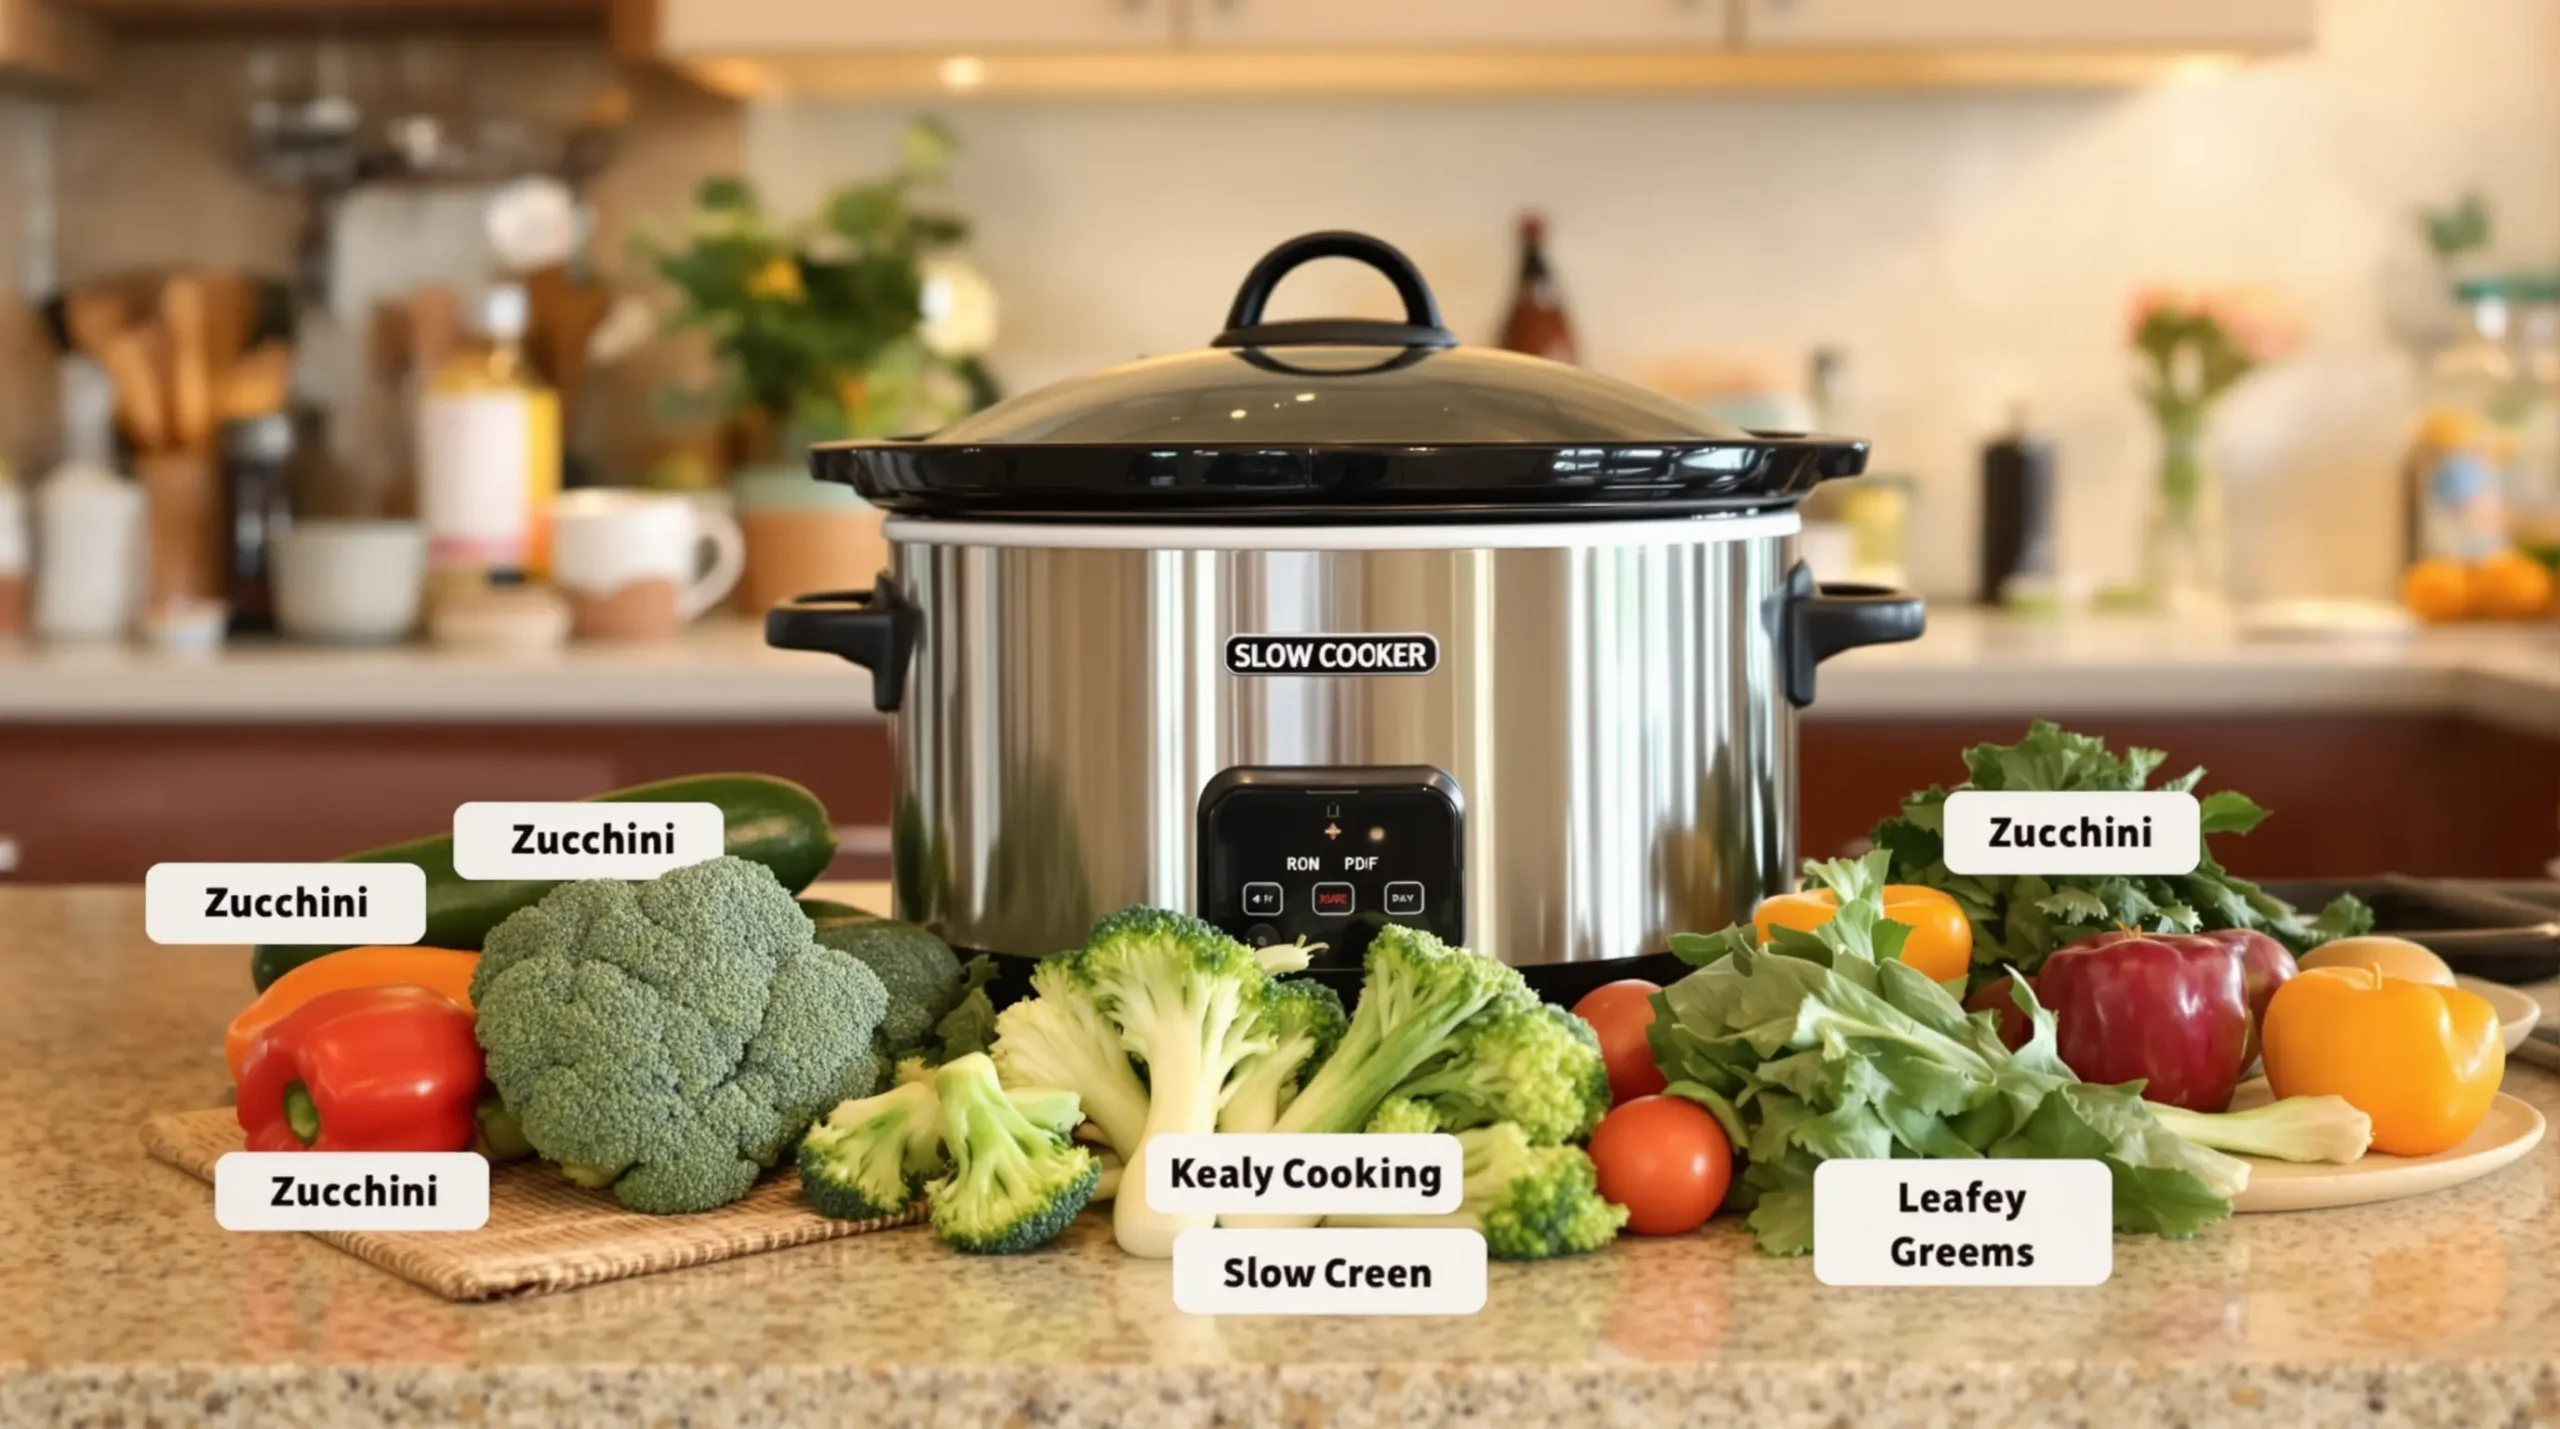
x=1457, y=24
x=1955, y=24
x=733, y=27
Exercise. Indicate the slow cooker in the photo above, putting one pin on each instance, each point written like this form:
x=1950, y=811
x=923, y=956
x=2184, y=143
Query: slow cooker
x=1337, y=623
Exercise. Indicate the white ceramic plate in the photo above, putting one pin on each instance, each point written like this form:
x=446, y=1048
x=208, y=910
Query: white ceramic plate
x=2517, y=1011
x=2511, y=1129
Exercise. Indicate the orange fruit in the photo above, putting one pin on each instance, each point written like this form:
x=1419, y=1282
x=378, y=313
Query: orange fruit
x=2437, y=590
x=2510, y=586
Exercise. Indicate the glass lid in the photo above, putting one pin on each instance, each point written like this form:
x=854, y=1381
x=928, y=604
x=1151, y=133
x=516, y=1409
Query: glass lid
x=1337, y=419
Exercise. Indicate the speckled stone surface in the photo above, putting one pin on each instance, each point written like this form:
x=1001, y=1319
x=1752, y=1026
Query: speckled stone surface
x=122, y=1303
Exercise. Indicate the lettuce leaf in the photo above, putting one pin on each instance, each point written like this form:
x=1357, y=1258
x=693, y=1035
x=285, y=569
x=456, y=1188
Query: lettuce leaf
x=1824, y=1045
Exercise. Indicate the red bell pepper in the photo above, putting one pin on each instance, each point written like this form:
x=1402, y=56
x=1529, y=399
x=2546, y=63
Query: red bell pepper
x=2172, y=1011
x=364, y=1069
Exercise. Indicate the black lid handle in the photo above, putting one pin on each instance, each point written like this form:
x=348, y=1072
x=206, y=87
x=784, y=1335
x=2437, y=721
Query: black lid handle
x=1420, y=328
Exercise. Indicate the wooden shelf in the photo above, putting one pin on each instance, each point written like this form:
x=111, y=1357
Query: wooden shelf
x=44, y=46
x=1227, y=74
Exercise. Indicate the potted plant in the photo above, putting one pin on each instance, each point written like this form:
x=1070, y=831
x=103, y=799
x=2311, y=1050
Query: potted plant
x=860, y=320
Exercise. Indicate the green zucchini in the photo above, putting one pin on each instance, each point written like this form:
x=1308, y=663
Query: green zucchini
x=773, y=821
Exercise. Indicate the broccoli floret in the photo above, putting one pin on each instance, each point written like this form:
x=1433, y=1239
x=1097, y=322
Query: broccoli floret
x=1015, y=1181
x=911, y=1069
x=1519, y=1061
x=1415, y=991
x=871, y=1158
x=1403, y=1116
x=1058, y=1037
x=672, y=1038
x=1531, y=1202
x=919, y=970
x=1302, y=1021
x=1189, y=1002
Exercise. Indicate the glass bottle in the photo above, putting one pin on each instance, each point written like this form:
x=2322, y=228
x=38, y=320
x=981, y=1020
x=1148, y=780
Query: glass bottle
x=488, y=456
x=1536, y=324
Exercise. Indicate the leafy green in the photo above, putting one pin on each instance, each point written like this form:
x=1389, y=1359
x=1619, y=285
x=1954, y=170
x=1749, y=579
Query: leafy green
x=1825, y=1044
x=2018, y=920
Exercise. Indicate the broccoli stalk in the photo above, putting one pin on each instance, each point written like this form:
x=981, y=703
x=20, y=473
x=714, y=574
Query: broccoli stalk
x=2294, y=1129
x=1519, y=1061
x=1189, y=1002
x=1303, y=1022
x=1415, y=992
x=1531, y=1202
x=870, y=1159
x=1016, y=1180
x=1058, y=1037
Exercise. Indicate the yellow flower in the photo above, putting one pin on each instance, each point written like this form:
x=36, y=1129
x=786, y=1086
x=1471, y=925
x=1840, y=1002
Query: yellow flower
x=777, y=279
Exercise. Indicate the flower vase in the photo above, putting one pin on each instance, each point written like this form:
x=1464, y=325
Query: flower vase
x=2185, y=567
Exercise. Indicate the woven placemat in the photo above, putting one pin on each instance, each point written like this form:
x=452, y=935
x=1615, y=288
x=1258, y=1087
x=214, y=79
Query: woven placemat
x=544, y=1233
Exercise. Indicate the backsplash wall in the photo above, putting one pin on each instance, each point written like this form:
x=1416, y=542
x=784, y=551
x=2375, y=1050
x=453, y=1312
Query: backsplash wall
x=26, y=262
x=1966, y=250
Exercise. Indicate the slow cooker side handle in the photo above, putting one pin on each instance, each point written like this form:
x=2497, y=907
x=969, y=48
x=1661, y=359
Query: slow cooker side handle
x=1816, y=622
x=875, y=628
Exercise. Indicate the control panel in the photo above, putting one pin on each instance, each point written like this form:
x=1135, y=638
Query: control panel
x=1329, y=855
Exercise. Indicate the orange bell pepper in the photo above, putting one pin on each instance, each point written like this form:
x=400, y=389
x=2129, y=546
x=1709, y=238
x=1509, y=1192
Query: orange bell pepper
x=1941, y=941
x=2423, y=1061
x=442, y=971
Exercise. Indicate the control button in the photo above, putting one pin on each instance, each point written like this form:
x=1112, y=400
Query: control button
x=1262, y=900
x=1404, y=900
x=1261, y=935
x=1335, y=900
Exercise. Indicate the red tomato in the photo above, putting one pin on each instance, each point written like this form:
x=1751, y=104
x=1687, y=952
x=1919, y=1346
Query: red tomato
x=1666, y=1160
x=1620, y=1012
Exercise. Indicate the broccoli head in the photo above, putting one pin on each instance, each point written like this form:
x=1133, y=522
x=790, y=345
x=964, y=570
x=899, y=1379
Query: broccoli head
x=1302, y=1020
x=1415, y=991
x=672, y=1038
x=1403, y=1116
x=920, y=971
x=1190, y=1003
x=871, y=1158
x=1517, y=1061
x=1530, y=1202
x=1058, y=1037
x=1015, y=1180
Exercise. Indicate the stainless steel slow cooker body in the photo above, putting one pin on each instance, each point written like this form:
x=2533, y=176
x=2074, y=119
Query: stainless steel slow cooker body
x=1304, y=638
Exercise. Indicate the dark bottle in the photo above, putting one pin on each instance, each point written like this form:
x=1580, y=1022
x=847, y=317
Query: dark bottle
x=257, y=461
x=2017, y=508
x=1537, y=323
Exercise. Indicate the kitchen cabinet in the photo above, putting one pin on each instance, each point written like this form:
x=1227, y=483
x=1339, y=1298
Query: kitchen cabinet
x=2348, y=795
x=101, y=803
x=1456, y=24
x=1957, y=24
x=750, y=27
x=46, y=45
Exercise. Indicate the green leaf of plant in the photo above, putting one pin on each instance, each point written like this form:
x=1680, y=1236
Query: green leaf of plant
x=2227, y=811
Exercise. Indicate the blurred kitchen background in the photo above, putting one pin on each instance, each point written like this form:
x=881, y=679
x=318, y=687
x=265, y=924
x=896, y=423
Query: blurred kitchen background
x=2241, y=312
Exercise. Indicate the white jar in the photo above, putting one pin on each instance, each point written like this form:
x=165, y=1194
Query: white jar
x=88, y=553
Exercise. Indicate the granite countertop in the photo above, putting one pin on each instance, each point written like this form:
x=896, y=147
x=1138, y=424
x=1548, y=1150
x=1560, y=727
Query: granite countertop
x=1970, y=663
x=121, y=1302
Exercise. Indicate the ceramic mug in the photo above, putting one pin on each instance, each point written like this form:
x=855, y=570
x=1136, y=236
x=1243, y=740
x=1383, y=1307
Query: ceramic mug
x=804, y=535
x=637, y=565
x=349, y=581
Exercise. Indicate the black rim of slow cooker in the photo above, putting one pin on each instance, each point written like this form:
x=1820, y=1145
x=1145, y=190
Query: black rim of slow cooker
x=1347, y=484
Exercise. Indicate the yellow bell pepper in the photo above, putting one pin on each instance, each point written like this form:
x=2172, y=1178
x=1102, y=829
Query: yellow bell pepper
x=2423, y=1061
x=1941, y=941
